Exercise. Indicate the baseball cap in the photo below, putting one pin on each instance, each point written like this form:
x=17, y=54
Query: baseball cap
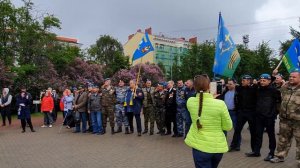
x=246, y=77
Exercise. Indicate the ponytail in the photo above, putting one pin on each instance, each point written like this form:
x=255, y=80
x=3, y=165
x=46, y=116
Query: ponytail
x=199, y=126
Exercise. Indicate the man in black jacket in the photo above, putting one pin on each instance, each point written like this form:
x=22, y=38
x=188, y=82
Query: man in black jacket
x=246, y=103
x=170, y=104
x=267, y=99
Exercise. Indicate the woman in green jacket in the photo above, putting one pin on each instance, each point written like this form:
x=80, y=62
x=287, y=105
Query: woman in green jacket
x=210, y=117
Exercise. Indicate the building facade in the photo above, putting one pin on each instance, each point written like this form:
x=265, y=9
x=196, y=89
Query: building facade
x=166, y=49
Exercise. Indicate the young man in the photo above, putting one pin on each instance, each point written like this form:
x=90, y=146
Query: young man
x=246, y=103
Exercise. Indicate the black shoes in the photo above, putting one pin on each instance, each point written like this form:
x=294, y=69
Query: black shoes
x=127, y=130
x=252, y=154
x=168, y=133
x=269, y=157
x=23, y=131
x=112, y=130
x=32, y=130
x=139, y=134
x=119, y=130
x=145, y=132
x=234, y=149
x=174, y=135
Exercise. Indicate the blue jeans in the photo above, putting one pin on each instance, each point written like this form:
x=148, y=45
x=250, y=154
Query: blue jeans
x=96, y=118
x=48, y=120
x=66, y=115
x=83, y=120
x=233, y=117
x=206, y=160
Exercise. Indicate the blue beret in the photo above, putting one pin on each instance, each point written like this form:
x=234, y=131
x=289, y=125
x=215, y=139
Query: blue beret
x=296, y=70
x=265, y=76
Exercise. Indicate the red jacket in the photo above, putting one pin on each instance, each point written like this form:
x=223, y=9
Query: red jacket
x=47, y=104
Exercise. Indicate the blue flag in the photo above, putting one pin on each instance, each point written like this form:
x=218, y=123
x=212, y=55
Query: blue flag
x=227, y=57
x=291, y=58
x=144, y=48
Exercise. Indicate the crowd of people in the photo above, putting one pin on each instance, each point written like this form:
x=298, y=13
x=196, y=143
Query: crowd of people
x=187, y=110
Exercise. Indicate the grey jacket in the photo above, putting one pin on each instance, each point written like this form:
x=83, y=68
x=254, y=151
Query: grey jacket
x=94, y=103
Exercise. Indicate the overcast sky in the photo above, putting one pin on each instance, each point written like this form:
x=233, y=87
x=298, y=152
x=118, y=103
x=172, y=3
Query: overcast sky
x=267, y=20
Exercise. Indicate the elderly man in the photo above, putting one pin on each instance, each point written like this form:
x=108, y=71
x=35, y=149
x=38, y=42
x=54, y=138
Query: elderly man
x=80, y=106
x=5, y=103
x=148, y=107
x=133, y=105
x=171, y=109
x=289, y=125
x=108, y=102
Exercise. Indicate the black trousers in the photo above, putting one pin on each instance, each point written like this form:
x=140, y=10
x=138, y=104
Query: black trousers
x=23, y=123
x=5, y=112
x=171, y=118
x=241, y=121
x=262, y=123
x=137, y=119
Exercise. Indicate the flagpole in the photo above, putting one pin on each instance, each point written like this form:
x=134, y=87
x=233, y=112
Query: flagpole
x=138, y=77
x=279, y=63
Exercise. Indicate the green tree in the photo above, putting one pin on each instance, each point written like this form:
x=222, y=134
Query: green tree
x=198, y=60
x=8, y=25
x=109, y=52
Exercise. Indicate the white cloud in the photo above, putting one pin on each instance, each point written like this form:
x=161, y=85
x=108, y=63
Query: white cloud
x=277, y=9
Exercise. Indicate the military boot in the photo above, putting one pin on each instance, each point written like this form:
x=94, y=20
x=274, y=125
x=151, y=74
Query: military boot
x=119, y=130
x=112, y=130
x=127, y=130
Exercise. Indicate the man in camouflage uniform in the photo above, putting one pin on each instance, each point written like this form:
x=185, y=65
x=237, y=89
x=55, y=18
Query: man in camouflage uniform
x=181, y=107
x=159, y=108
x=119, y=108
x=148, y=109
x=289, y=114
x=108, y=102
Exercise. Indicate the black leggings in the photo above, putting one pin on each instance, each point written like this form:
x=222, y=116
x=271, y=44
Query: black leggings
x=23, y=123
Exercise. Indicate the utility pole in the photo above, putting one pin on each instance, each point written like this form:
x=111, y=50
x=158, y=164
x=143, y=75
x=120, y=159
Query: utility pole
x=246, y=40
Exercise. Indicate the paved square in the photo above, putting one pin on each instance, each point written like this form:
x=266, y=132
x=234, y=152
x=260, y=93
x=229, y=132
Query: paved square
x=48, y=149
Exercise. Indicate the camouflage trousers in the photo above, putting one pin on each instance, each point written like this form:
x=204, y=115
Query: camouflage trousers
x=108, y=112
x=121, y=118
x=160, y=117
x=287, y=130
x=149, y=116
x=180, y=119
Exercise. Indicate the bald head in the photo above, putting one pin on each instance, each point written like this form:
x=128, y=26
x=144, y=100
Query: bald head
x=294, y=78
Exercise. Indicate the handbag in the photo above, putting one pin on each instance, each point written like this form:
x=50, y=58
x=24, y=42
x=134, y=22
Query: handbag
x=76, y=117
